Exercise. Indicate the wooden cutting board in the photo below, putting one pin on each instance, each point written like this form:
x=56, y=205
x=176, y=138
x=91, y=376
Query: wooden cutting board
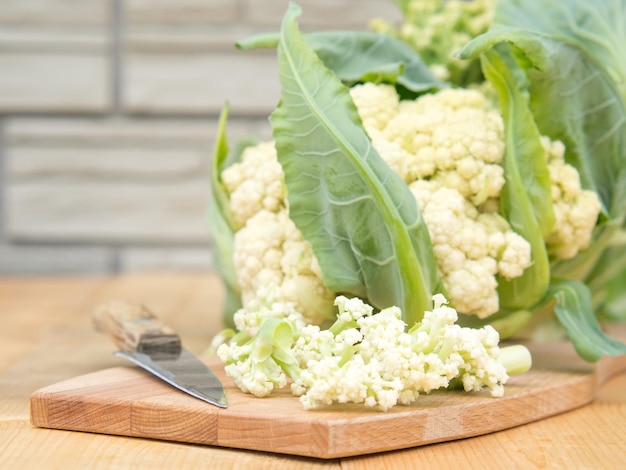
x=127, y=401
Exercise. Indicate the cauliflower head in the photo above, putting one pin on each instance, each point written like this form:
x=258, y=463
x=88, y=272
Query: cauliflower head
x=449, y=148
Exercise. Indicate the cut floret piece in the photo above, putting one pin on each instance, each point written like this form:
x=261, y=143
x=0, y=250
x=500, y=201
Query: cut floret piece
x=372, y=359
x=368, y=357
x=258, y=364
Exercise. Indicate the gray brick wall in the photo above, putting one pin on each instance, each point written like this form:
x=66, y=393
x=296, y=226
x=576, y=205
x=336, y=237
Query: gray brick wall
x=108, y=110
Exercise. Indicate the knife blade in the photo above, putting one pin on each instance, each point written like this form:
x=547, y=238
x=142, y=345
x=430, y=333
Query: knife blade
x=147, y=342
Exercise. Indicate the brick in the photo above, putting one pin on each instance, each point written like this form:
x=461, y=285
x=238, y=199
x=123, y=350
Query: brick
x=70, y=133
x=54, y=56
x=100, y=211
x=182, y=12
x=322, y=14
x=147, y=163
x=113, y=181
x=200, y=83
x=51, y=13
x=133, y=259
x=39, y=82
x=27, y=260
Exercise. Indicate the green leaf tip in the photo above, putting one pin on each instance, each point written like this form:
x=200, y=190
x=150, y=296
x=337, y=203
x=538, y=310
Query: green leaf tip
x=573, y=309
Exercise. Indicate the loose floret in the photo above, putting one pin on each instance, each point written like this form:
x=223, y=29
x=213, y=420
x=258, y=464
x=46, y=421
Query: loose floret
x=268, y=302
x=258, y=364
x=368, y=357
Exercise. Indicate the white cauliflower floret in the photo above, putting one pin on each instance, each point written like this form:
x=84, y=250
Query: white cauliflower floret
x=268, y=302
x=260, y=363
x=576, y=209
x=377, y=363
x=313, y=343
x=361, y=366
x=270, y=251
x=377, y=104
x=367, y=357
x=258, y=381
x=352, y=309
x=255, y=183
x=473, y=288
x=471, y=248
x=454, y=136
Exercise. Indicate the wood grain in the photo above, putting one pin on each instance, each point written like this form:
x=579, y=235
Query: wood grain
x=47, y=337
x=127, y=401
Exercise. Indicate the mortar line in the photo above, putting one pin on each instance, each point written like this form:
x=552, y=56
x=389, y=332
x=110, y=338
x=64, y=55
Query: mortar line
x=117, y=31
x=117, y=78
x=3, y=182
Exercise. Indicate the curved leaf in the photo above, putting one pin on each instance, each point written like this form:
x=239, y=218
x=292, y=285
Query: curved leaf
x=526, y=195
x=573, y=309
x=359, y=216
x=221, y=224
x=577, y=82
x=360, y=56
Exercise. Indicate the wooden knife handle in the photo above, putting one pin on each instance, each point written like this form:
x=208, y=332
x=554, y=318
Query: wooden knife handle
x=133, y=327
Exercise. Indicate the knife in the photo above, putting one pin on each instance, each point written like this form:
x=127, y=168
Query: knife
x=144, y=340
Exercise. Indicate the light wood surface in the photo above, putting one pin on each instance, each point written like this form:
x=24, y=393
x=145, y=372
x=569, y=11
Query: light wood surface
x=146, y=407
x=47, y=337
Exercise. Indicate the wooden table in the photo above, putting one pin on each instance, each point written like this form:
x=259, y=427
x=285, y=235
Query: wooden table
x=46, y=336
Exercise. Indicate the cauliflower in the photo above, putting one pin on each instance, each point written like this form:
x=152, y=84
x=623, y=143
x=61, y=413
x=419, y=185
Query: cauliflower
x=258, y=363
x=448, y=147
x=472, y=236
x=437, y=28
x=255, y=183
x=269, y=249
x=451, y=145
x=368, y=357
x=576, y=209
